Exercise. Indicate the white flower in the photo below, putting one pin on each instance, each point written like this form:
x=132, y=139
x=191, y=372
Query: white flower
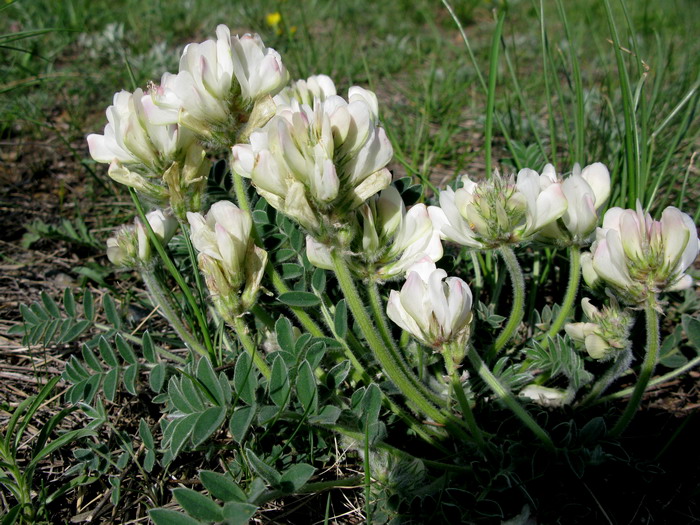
x=637, y=256
x=131, y=247
x=305, y=91
x=258, y=69
x=394, y=239
x=228, y=256
x=130, y=138
x=499, y=211
x=202, y=96
x=317, y=163
x=586, y=192
x=432, y=307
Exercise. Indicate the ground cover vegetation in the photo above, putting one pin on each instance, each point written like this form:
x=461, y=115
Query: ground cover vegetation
x=402, y=262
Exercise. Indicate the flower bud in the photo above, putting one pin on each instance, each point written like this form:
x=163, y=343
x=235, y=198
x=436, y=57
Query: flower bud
x=606, y=333
x=434, y=309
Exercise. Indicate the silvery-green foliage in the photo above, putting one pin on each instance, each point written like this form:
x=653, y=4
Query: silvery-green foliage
x=557, y=356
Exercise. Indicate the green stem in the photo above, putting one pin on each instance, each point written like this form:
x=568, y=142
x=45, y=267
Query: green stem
x=654, y=382
x=277, y=281
x=508, y=398
x=162, y=302
x=377, y=307
x=249, y=346
x=201, y=320
x=381, y=353
x=517, y=311
x=620, y=364
x=462, y=400
x=571, y=291
x=650, y=359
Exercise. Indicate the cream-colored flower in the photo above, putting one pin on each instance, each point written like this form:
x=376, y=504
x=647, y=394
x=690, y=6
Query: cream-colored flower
x=637, y=256
x=433, y=308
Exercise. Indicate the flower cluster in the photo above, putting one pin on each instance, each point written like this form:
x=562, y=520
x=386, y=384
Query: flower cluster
x=130, y=246
x=639, y=257
x=228, y=257
x=316, y=163
x=433, y=308
x=217, y=82
x=501, y=211
x=606, y=332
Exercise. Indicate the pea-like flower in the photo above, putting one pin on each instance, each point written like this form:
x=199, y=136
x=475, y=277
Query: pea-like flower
x=393, y=239
x=218, y=79
x=318, y=87
x=500, y=211
x=638, y=257
x=606, y=331
x=130, y=246
x=586, y=192
x=317, y=164
x=161, y=161
x=228, y=257
x=432, y=307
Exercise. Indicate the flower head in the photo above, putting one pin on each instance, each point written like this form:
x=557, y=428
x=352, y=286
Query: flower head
x=637, y=256
x=432, y=307
x=500, y=211
x=130, y=246
x=216, y=81
x=228, y=257
x=318, y=163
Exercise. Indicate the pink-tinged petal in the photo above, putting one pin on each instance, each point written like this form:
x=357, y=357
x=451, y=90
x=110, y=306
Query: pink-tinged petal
x=612, y=217
x=692, y=248
x=438, y=301
x=598, y=178
x=675, y=236
x=631, y=237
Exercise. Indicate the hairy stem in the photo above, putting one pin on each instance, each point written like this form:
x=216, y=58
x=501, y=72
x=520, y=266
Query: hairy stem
x=377, y=307
x=647, y=370
x=508, y=398
x=250, y=347
x=381, y=353
x=166, y=308
x=571, y=291
x=517, y=311
x=622, y=361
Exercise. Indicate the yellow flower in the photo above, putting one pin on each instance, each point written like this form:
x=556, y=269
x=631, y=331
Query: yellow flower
x=274, y=20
